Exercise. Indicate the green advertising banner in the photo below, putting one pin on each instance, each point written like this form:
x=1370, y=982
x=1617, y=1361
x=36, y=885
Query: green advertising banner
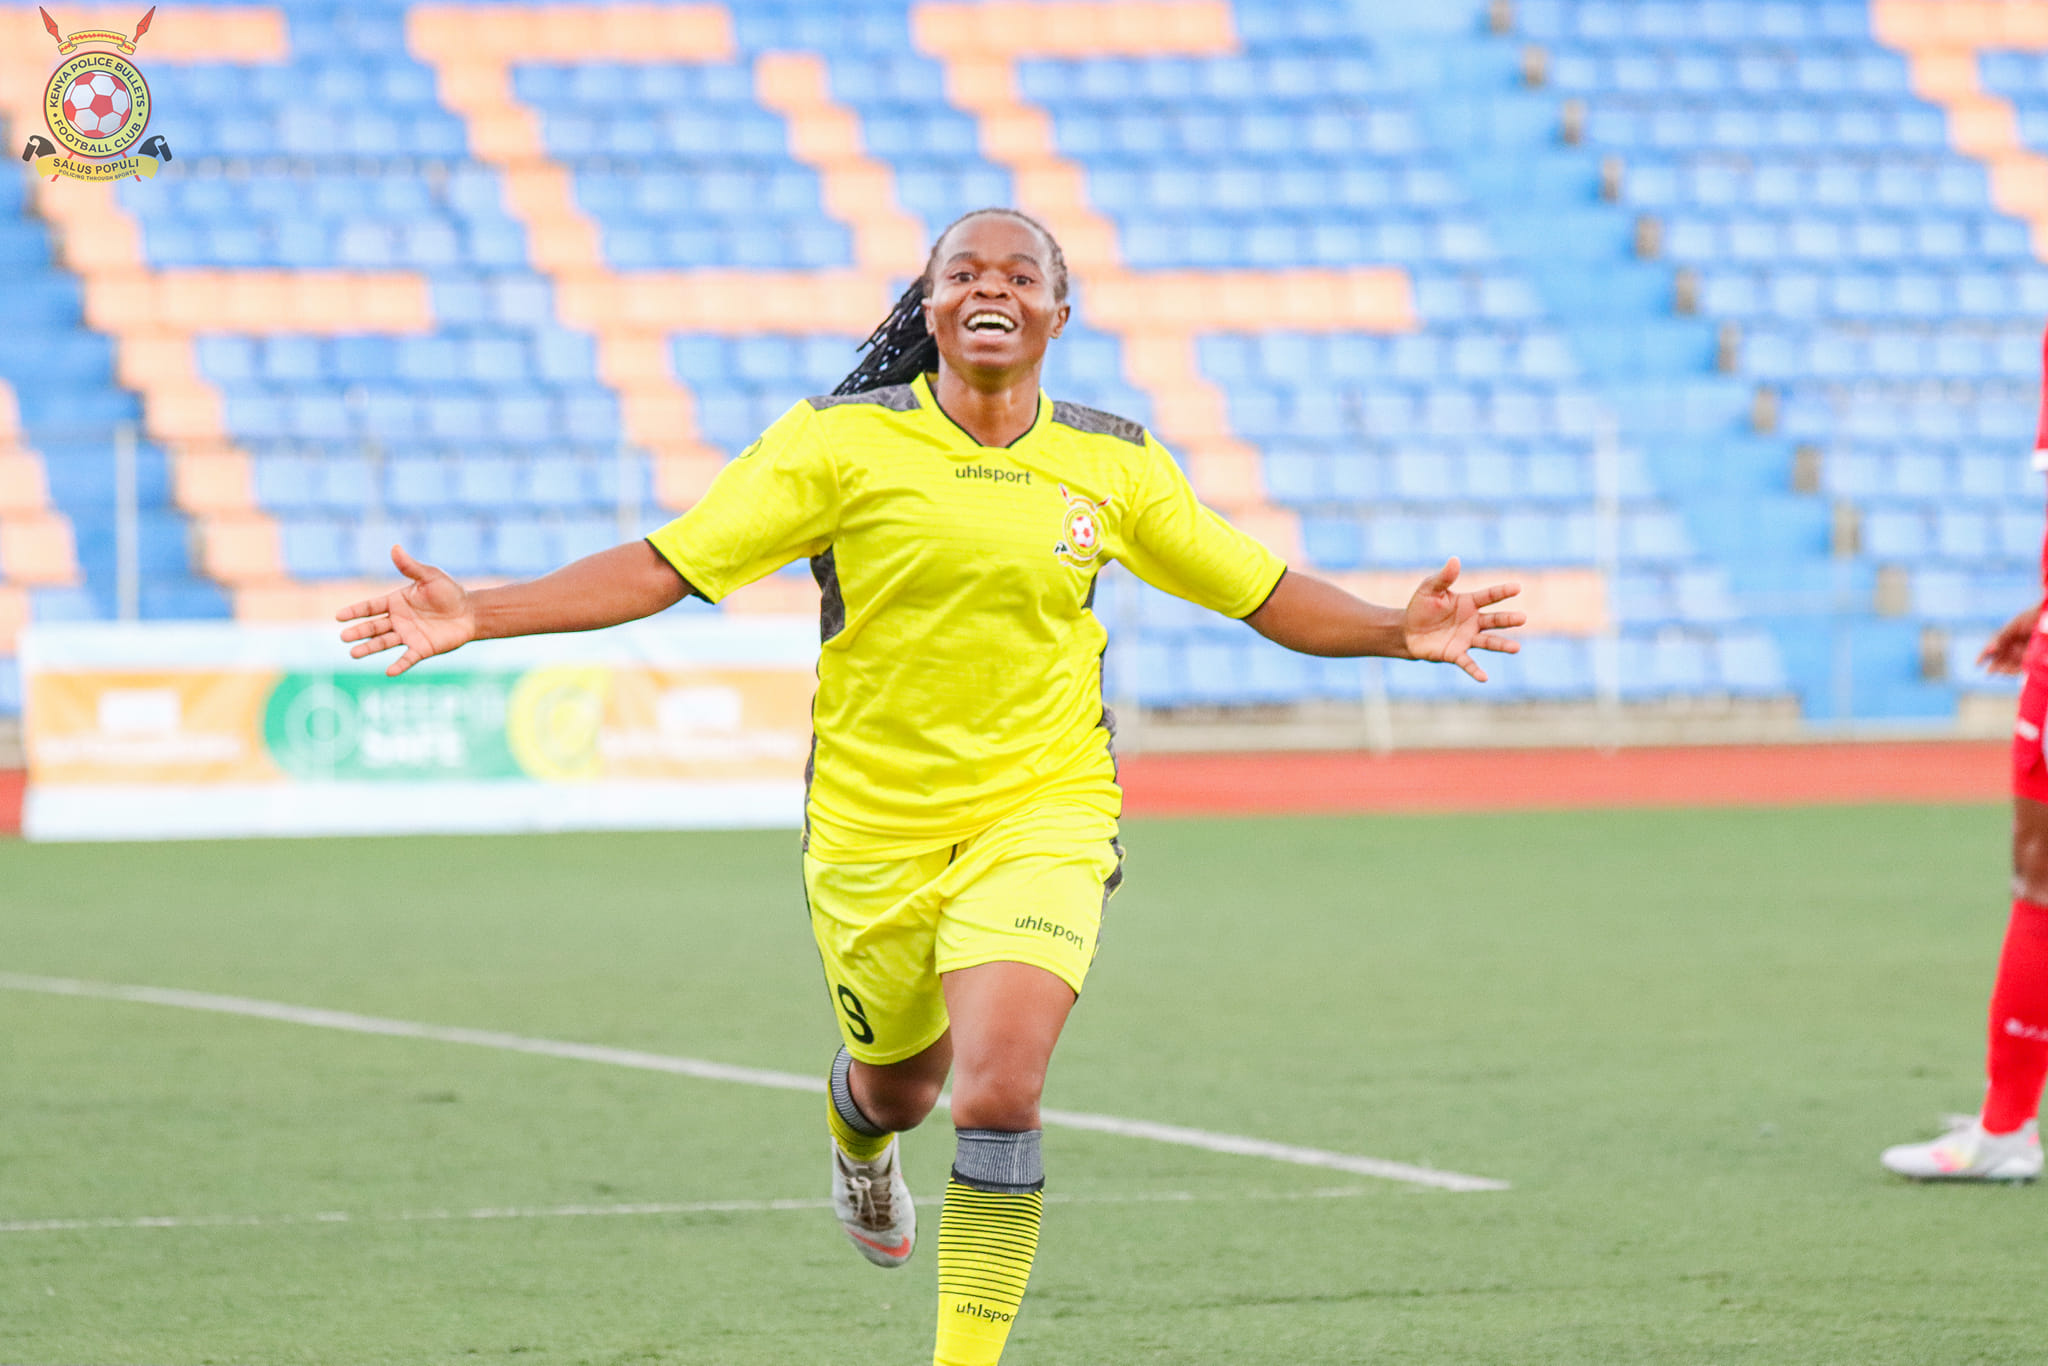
x=407, y=729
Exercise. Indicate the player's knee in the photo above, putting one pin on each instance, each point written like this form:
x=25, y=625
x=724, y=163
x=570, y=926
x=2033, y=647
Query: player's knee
x=2031, y=885
x=898, y=1104
x=2030, y=864
x=997, y=1100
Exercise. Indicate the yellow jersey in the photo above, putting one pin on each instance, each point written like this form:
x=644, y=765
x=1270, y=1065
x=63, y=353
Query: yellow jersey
x=960, y=675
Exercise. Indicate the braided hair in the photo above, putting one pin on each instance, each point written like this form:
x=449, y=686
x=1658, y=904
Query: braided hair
x=902, y=348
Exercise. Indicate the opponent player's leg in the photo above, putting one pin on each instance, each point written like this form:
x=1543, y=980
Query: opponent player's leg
x=2002, y=1142
x=1006, y=1018
x=2017, y=1061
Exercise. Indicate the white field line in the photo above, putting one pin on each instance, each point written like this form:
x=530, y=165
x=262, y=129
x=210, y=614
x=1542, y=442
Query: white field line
x=455, y=1216
x=702, y=1070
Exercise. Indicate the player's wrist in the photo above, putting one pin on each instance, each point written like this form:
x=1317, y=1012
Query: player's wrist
x=483, y=617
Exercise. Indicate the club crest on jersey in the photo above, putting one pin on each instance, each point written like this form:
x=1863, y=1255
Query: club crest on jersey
x=1081, y=531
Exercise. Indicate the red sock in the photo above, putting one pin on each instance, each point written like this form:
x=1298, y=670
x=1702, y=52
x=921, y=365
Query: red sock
x=2019, y=1022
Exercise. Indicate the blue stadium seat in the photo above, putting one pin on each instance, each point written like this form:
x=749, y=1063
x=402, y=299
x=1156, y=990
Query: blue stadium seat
x=488, y=484
x=1895, y=533
x=1162, y=672
x=289, y=359
x=1557, y=669
x=556, y=481
x=1748, y=663
x=455, y=544
x=284, y=483
x=419, y=485
x=576, y=537
x=1333, y=543
x=1295, y=476
x=340, y=484
x=316, y=549
x=317, y=416
x=525, y=419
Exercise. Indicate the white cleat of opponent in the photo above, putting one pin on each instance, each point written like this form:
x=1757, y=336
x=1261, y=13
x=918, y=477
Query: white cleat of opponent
x=1967, y=1153
x=874, y=1206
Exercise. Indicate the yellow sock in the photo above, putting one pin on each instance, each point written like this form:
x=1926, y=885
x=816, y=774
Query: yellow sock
x=986, y=1242
x=855, y=1144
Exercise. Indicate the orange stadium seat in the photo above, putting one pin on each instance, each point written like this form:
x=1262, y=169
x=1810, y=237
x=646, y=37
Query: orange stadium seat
x=14, y=615
x=192, y=300
x=120, y=302
x=37, y=549
x=655, y=413
x=635, y=360
x=23, y=487
x=146, y=360
x=214, y=482
x=241, y=549
x=179, y=416
x=681, y=478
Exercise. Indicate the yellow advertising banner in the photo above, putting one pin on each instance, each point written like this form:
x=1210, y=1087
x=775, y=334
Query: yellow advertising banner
x=116, y=726
x=586, y=722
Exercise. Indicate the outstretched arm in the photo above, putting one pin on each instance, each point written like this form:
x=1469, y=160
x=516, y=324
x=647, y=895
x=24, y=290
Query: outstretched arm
x=433, y=614
x=1316, y=617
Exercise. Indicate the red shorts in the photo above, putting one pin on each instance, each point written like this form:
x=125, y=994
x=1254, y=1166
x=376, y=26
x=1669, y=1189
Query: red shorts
x=2029, y=765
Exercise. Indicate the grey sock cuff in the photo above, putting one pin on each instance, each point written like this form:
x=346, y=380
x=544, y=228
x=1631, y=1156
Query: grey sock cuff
x=993, y=1160
x=842, y=1097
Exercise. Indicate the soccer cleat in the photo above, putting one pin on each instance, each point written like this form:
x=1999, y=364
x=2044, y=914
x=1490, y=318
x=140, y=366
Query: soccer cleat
x=1967, y=1153
x=874, y=1206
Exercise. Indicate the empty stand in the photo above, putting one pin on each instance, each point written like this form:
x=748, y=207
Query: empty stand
x=1802, y=280
x=500, y=280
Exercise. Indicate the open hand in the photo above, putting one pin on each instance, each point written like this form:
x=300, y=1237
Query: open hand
x=429, y=616
x=2006, y=652
x=1446, y=625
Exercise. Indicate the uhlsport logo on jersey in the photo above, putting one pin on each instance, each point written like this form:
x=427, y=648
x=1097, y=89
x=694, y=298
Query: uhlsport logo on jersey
x=1081, y=532
x=97, y=107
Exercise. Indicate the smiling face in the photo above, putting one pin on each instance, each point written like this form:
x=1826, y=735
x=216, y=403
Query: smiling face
x=993, y=305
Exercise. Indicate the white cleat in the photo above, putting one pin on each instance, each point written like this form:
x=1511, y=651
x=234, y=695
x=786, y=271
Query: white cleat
x=874, y=1206
x=1967, y=1153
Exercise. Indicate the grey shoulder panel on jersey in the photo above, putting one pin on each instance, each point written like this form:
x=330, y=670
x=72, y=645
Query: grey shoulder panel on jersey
x=1098, y=423
x=897, y=398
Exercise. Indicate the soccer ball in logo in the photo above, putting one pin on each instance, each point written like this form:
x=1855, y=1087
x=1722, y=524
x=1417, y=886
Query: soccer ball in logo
x=98, y=105
x=1081, y=528
x=1082, y=533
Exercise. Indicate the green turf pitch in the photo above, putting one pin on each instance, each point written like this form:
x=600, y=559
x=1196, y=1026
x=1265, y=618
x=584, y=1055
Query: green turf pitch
x=1682, y=1037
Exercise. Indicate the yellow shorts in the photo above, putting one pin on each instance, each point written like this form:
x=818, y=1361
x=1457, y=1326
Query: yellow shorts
x=1029, y=889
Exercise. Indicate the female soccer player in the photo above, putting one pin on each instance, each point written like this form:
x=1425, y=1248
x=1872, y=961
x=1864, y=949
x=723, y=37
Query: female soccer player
x=961, y=821
x=2002, y=1141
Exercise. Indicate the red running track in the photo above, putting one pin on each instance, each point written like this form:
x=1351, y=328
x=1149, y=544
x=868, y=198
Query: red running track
x=1527, y=779
x=1565, y=779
